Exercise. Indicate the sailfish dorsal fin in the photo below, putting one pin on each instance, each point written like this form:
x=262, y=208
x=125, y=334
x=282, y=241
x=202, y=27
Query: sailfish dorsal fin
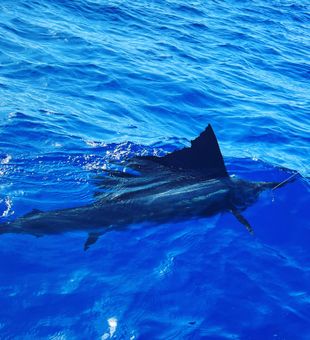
x=204, y=155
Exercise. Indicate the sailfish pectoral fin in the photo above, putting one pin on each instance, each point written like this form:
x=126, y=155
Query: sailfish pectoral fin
x=242, y=220
x=92, y=238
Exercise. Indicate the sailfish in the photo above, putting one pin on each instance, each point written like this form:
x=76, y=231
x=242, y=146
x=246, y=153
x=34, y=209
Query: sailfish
x=187, y=183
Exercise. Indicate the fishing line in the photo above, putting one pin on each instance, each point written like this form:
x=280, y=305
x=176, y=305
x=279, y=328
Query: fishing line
x=282, y=183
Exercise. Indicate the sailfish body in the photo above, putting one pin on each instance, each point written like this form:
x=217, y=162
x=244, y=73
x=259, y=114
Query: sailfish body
x=191, y=182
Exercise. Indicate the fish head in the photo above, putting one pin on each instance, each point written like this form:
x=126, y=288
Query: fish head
x=245, y=193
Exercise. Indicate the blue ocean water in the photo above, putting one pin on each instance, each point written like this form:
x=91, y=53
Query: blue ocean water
x=86, y=82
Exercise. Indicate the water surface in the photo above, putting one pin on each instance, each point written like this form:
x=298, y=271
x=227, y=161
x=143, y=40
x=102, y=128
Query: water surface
x=86, y=82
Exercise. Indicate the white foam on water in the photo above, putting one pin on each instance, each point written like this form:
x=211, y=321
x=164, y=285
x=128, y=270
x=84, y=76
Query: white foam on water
x=112, y=322
x=8, y=211
x=6, y=160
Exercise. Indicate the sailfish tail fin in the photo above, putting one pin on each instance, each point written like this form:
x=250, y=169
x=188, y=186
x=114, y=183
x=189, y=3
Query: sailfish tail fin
x=204, y=155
